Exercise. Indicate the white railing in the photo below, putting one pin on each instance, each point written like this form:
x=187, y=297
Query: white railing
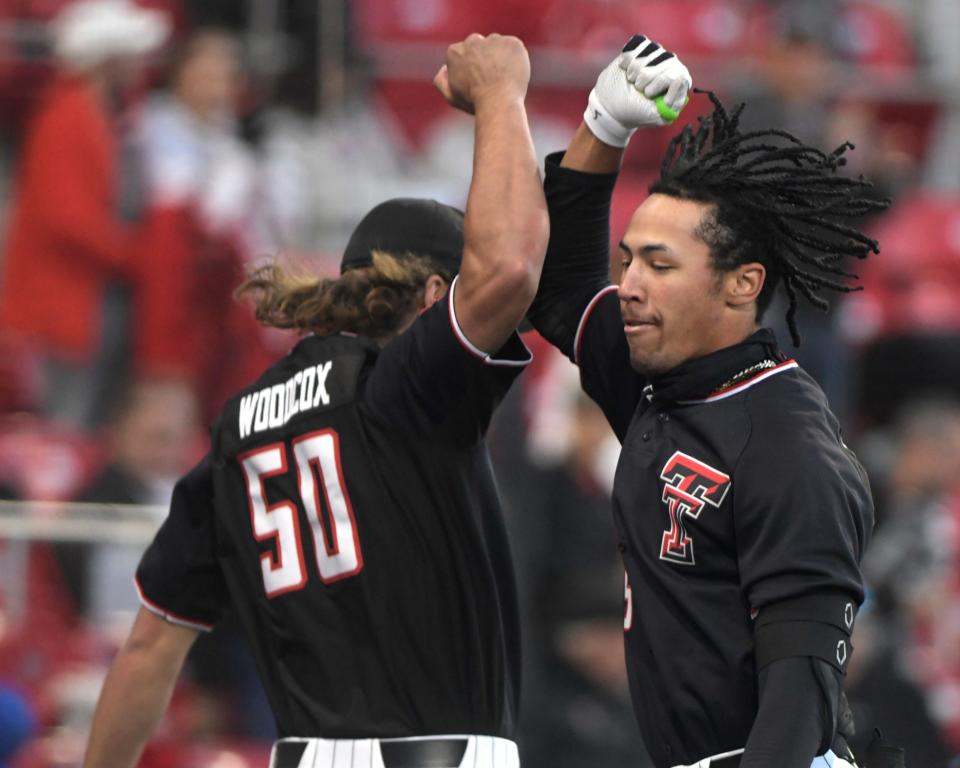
x=70, y=521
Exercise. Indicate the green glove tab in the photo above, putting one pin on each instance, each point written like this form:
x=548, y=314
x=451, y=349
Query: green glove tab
x=665, y=112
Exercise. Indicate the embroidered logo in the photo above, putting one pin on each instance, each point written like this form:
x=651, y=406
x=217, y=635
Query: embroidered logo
x=689, y=485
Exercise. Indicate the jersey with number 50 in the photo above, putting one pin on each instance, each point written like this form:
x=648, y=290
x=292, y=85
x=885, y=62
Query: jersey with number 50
x=348, y=513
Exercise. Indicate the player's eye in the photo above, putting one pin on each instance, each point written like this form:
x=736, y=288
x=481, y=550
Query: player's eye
x=659, y=267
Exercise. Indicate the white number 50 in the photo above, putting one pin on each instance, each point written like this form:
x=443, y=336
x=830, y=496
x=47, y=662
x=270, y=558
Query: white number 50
x=317, y=457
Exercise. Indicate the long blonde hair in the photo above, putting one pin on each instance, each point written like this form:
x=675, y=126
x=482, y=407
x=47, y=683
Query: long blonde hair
x=370, y=301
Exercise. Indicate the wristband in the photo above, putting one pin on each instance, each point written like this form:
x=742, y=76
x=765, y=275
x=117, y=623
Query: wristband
x=603, y=126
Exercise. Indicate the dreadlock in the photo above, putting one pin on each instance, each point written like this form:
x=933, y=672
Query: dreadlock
x=775, y=201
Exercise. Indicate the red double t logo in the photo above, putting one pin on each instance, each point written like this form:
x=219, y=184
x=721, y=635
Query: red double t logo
x=689, y=486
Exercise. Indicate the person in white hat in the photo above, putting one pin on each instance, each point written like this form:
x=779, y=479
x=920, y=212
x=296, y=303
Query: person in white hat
x=90, y=32
x=65, y=283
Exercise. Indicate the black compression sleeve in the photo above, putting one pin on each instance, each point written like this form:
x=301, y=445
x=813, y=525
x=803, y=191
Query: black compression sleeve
x=577, y=264
x=797, y=716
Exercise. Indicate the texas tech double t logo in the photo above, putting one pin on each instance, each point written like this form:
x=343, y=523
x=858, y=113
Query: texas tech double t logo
x=689, y=485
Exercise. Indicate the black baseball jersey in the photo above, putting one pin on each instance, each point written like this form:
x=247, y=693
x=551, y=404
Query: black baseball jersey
x=734, y=491
x=740, y=512
x=348, y=511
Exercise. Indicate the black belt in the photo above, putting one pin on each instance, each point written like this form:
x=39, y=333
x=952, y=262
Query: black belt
x=396, y=753
x=422, y=753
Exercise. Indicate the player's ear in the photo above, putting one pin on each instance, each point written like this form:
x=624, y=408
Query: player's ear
x=434, y=290
x=744, y=283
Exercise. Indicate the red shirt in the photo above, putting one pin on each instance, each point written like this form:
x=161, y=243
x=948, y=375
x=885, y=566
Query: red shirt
x=65, y=239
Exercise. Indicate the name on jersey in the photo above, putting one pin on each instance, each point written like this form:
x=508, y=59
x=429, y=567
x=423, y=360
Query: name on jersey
x=272, y=407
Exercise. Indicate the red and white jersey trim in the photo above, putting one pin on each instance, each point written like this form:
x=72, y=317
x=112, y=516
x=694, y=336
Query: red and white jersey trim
x=166, y=615
x=585, y=316
x=470, y=347
x=744, y=385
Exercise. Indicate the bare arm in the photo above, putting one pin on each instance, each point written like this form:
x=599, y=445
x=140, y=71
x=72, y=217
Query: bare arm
x=588, y=154
x=506, y=225
x=137, y=691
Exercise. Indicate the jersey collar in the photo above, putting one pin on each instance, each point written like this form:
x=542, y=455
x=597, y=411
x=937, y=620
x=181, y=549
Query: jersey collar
x=719, y=372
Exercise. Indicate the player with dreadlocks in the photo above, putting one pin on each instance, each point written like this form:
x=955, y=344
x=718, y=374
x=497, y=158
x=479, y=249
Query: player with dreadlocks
x=782, y=206
x=741, y=514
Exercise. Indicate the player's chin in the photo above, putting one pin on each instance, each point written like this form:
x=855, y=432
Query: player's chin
x=645, y=361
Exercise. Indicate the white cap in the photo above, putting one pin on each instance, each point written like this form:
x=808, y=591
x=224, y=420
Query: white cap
x=89, y=31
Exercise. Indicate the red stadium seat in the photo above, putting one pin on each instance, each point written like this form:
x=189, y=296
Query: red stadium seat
x=695, y=27
x=446, y=21
x=45, y=461
x=874, y=36
x=913, y=284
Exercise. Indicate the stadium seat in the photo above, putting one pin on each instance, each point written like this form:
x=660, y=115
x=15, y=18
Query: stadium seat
x=913, y=284
x=43, y=460
x=874, y=36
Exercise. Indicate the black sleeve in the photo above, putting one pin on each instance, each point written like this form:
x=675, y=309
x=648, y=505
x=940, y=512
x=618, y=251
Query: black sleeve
x=797, y=714
x=577, y=264
x=604, y=362
x=431, y=381
x=576, y=309
x=179, y=578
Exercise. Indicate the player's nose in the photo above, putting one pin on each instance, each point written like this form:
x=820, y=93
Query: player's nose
x=632, y=286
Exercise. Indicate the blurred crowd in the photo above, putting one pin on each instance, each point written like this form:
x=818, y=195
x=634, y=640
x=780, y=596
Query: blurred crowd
x=150, y=154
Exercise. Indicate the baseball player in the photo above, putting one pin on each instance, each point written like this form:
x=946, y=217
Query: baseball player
x=742, y=515
x=346, y=508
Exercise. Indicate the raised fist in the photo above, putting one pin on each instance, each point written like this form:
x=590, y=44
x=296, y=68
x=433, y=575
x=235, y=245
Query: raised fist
x=644, y=85
x=478, y=68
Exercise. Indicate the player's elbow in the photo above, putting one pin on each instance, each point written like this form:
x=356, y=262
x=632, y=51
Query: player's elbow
x=522, y=263
x=532, y=239
x=517, y=279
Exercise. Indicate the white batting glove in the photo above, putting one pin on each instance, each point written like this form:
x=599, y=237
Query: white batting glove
x=644, y=86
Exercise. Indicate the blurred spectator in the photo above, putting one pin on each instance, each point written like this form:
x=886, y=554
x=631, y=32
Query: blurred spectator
x=884, y=692
x=913, y=563
x=43, y=460
x=884, y=152
x=906, y=322
x=913, y=549
x=151, y=440
x=794, y=88
x=794, y=71
x=68, y=262
x=800, y=87
x=201, y=225
x=576, y=705
x=364, y=153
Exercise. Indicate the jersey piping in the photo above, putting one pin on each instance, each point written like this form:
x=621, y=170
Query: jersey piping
x=738, y=388
x=470, y=347
x=577, y=338
x=169, y=616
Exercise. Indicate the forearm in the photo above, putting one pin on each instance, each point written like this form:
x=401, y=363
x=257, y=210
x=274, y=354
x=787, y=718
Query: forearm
x=795, y=721
x=133, y=700
x=577, y=265
x=506, y=217
x=505, y=229
x=136, y=692
x=588, y=154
